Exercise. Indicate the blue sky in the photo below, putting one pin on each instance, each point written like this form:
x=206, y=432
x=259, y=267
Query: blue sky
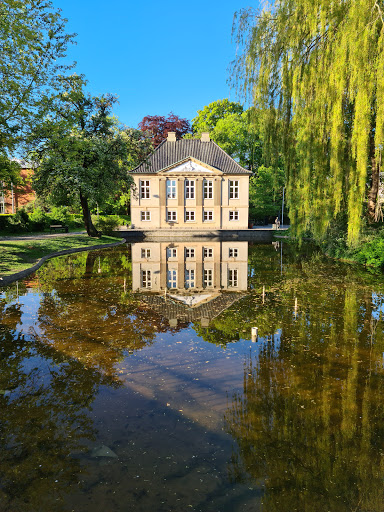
x=155, y=56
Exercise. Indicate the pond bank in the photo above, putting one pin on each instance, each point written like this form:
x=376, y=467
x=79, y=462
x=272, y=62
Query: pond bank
x=23, y=255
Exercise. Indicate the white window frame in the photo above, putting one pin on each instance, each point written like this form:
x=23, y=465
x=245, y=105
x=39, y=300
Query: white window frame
x=208, y=216
x=208, y=278
x=190, y=216
x=208, y=189
x=208, y=252
x=233, y=278
x=233, y=189
x=145, y=253
x=171, y=189
x=189, y=252
x=171, y=216
x=145, y=216
x=189, y=278
x=233, y=252
x=171, y=252
x=233, y=215
x=146, y=279
x=172, y=278
x=145, y=189
x=189, y=189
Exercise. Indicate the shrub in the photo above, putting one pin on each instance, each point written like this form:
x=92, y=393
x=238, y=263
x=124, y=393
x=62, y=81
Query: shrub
x=38, y=220
x=107, y=224
x=59, y=215
x=372, y=252
x=19, y=222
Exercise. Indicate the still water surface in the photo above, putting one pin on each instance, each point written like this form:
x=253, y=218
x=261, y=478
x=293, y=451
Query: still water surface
x=129, y=381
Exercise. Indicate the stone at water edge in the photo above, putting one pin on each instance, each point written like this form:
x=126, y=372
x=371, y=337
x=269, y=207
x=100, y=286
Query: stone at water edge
x=103, y=451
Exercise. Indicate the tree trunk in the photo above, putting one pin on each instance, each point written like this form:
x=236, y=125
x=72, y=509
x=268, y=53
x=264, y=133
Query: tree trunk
x=374, y=191
x=91, y=230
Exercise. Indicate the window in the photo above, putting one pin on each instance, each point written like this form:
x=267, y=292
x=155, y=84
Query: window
x=208, y=252
x=232, y=278
x=145, y=253
x=189, y=189
x=145, y=215
x=171, y=189
x=208, y=280
x=233, y=253
x=171, y=252
x=208, y=189
x=233, y=189
x=144, y=189
x=171, y=216
x=172, y=279
x=146, y=279
x=189, y=253
x=233, y=215
x=208, y=215
x=190, y=278
x=189, y=215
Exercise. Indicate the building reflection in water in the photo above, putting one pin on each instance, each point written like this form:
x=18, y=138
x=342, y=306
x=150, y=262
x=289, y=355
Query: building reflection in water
x=187, y=281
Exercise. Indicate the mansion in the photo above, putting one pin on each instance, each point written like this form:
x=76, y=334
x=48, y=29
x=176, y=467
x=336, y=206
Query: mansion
x=190, y=184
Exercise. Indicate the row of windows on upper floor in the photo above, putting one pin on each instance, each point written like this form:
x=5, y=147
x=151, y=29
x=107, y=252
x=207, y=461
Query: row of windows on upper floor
x=189, y=252
x=189, y=278
x=189, y=189
x=189, y=215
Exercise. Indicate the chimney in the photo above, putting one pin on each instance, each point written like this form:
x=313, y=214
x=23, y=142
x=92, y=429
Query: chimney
x=205, y=137
x=171, y=137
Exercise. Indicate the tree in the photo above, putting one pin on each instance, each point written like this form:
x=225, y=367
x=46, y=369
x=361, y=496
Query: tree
x=159, y=126
x=83, y=156
x=238, y=134
x=32, y=43
x=316, y=69
x=207, y=119
x=265, y=192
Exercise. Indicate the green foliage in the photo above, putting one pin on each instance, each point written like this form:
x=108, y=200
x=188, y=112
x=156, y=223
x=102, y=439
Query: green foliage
x=372, y=253
x=33, y=43
x=316, y=72
x=207, y=118
x=266, y=192
x=17, y=255
x=83, y=157
x=239, y=135
x=38, y=219
x=59, y=214
x=107, y=224
x=19, y=221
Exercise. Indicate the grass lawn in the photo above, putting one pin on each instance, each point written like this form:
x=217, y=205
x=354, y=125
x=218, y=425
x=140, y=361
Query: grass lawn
x=18, y=255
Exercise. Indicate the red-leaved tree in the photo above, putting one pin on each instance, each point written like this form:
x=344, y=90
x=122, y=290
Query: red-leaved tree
x=159, y=126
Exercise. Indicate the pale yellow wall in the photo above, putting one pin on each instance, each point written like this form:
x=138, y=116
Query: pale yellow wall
x=158, y=204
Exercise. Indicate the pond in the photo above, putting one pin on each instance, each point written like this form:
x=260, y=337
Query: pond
x=130, y=381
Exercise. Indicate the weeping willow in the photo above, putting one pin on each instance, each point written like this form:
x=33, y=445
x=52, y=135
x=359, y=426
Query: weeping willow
x=316, y=70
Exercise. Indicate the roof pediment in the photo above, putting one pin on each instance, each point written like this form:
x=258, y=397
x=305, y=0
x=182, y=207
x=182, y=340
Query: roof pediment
x=190, y=166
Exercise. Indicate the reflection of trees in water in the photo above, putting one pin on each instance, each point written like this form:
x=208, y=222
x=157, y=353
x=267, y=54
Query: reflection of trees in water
x=89, y=311
x=44, y=406
x=310, y=422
